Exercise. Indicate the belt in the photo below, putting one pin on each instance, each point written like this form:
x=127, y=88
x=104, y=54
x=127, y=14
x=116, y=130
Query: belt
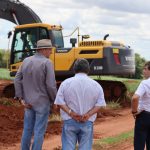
x=145, y=112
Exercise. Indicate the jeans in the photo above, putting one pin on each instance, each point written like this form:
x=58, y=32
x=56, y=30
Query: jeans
x=142, y=131
x=34, y=122
x=74, y=132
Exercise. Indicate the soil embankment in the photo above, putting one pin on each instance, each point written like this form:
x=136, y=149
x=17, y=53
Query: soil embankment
x=110, y=123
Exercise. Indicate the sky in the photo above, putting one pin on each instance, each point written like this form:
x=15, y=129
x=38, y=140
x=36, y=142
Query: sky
x=125, y=21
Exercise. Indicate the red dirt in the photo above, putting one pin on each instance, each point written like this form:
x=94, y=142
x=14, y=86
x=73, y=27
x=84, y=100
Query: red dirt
x=109, y=124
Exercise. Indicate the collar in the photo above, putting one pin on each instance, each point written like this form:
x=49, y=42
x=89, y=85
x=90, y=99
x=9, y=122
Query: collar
x=81, y=75
x=39, y=54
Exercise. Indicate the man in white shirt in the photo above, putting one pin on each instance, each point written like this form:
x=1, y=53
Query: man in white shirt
x=79, y=98
x=141, y=111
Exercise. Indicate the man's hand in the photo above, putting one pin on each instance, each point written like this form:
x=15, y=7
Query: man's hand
x=75, y=116
x=55, y=109
x=85, y=117
x=135, y=114
x=22, y=102
x=29, y=106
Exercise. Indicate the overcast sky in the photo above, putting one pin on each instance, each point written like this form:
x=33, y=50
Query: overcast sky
x=126, y=21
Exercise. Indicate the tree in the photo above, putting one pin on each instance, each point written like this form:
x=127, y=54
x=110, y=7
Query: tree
x=4, y=58
x=1, y=56
x=139, y=63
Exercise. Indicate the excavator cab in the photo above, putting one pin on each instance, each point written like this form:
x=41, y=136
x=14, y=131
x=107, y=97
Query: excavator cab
x=25, y=39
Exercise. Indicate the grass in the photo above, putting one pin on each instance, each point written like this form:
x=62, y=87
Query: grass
x=131, y=84
x=4, y=74
x=54, y=118
x=111, y=78
x=6, y=103
x=113, y=105
x=9, y=102
x=110, y=141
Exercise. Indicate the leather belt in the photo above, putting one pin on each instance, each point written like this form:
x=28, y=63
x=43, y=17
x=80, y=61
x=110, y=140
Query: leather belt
x=146, y=112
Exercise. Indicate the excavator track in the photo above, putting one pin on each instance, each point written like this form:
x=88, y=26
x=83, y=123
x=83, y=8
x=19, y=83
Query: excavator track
x=7, y=89
x=113, y=90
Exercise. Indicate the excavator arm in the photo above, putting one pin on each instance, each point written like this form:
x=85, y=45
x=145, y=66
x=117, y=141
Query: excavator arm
x=17, y=12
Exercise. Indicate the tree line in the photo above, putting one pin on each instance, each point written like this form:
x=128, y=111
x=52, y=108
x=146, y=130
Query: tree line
x=4, y=58
x=139, y=62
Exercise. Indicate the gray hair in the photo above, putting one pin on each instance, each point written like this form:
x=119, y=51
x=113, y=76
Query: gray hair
x=81, y=65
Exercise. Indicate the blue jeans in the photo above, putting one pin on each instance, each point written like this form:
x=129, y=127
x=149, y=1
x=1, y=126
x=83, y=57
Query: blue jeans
x=74, y=132
x=36, y=123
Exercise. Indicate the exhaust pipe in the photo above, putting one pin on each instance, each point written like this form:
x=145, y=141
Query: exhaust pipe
x=106, y=36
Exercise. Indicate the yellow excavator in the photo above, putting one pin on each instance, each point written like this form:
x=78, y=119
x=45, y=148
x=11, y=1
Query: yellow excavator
x=105, y=57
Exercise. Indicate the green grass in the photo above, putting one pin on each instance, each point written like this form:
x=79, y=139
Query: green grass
x=9, y=102
x=110, y=142
x=131, y=84
x=6, y=103
x=4, y=74
x=111, y=78
x=113, y=105
x=105, y=142
x=55, y=117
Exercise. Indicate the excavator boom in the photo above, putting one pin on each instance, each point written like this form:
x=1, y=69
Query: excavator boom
x=17, y=12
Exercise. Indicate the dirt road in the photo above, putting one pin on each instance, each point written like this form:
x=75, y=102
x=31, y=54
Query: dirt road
x=11, y=125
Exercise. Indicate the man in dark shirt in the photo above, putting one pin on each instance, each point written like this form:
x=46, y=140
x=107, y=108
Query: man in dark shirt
x=35, y=86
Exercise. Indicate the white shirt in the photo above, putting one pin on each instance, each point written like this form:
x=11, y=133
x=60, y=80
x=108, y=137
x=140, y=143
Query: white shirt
x=144, y=92
x=80, y=93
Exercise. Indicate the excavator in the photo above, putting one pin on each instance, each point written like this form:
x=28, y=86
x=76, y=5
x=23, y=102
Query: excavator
x=105, y=57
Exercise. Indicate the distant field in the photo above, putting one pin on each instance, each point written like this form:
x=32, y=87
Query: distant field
x=4, y=74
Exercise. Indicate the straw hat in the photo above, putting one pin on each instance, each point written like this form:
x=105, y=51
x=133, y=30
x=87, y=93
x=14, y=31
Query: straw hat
x=44, y=43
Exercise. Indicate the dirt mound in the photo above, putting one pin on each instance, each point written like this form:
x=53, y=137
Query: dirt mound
x=7, y=88
x=11, y=125
x=11, y=122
